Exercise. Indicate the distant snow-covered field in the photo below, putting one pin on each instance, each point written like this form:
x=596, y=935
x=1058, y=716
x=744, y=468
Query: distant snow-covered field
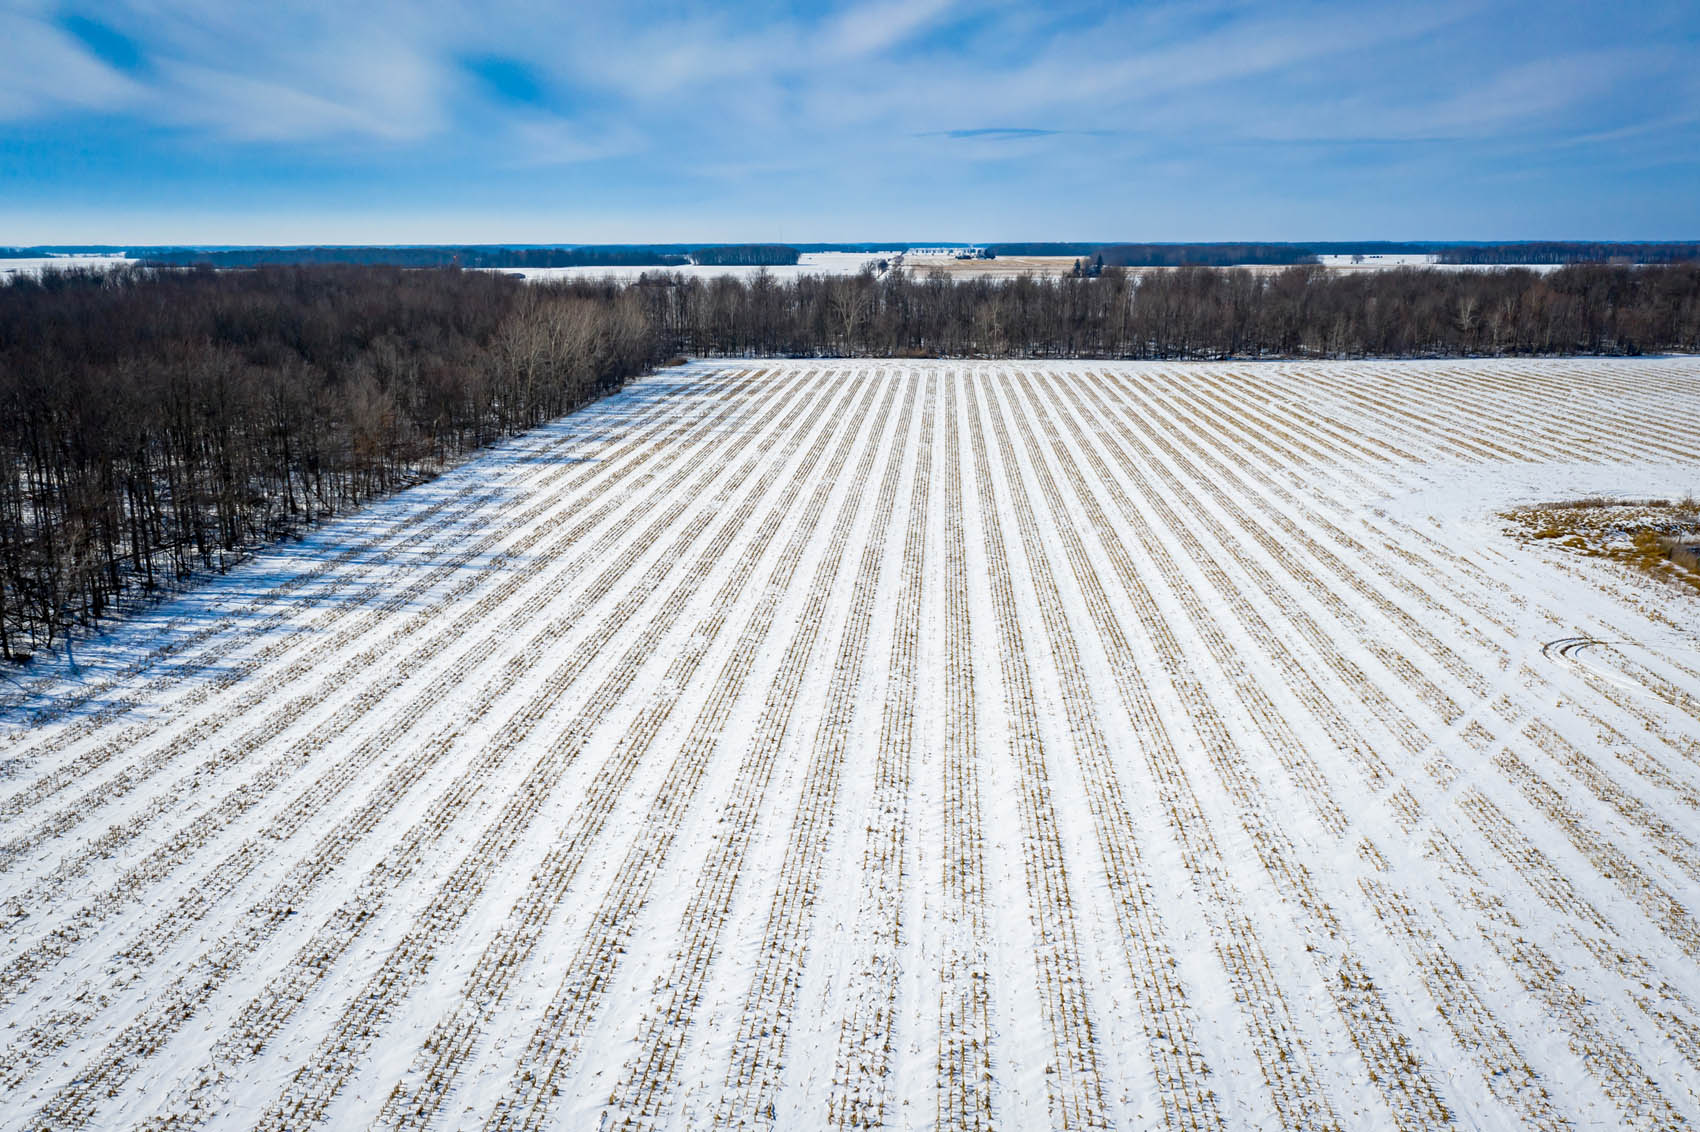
x=808, y=263
x=35, y=265
x=800, y=745
x=1353, y=263
x=831, y=263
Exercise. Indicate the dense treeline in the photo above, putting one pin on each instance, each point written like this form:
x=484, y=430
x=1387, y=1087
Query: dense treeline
x=1279, y=254
x=1551, y=252
x=474, y=256
x=479, y=256
x=746, y=255
x=157, y=424
x=1203, y=255
x=1167, y=255
x=1186, y=313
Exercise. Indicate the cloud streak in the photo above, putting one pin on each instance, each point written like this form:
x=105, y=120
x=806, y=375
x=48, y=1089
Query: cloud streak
x=998, y=133
x=659, y=104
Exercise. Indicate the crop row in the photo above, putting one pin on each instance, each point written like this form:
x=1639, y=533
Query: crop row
x=1316, y=836
x=313, y=961
x=539, y=521
x=282, y=628
x=1669, y=1009
x=554, y=1045
x=1446, y=568
x=754, y=1068
x=1410, y=1094
x=649, y=1079
x=861, y=1094
x=1598, y=783
x=1076, y=1088
x=236, y=627
x=964, y=1082
x=1539, y=791
x=1406, y=733
x=259, y=782
x=1170, y=1021
x=435, y=921
x=444, y=1050
x=1640, y=1101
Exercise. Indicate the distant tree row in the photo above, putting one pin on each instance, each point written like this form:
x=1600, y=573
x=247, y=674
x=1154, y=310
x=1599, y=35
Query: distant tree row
x=1167, y=255
x=158, y=424
x=1274, y=254
x=478, y=256
x=746, y=255
x=1214, y=254
x=608, y=256
x=1557, y=252
x=1204, y=255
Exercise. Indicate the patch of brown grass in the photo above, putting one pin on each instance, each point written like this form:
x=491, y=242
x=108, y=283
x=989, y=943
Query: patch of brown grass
x=1660, y=537
x=1590, y=502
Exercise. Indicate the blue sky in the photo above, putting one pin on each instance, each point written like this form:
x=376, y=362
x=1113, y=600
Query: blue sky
x=223, y=121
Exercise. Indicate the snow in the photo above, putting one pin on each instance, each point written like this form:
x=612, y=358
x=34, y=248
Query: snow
x=36, y=265
x=1392, y=259
x=1352, y=263
x=816, y=263
x=797, y=744
x=808, y=263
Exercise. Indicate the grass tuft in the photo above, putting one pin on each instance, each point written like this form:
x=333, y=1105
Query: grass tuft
x=1660, y=537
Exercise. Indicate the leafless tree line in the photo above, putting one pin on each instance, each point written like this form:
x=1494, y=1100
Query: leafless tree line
x=1302, y=311
x=155, y=424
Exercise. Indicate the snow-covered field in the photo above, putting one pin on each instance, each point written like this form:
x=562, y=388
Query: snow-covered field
x=1352, y=263
x=35, y=266
x=800, y=745
x=808, y=263
x=1004, y=267
x=820, y=263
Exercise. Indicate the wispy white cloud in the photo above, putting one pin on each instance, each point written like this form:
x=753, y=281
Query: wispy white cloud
x=873, y=97
x=387, y=96
x=544, y=141
x=295, y=71
x=43, y=70
x=868, y=28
